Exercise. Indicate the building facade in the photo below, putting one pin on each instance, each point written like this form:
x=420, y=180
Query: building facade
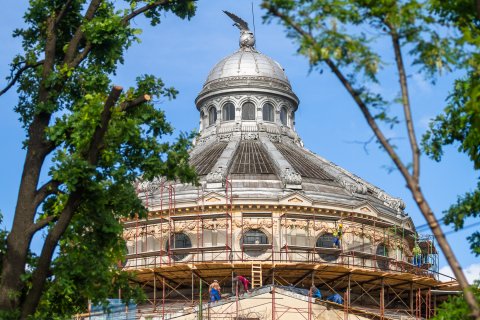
x=270, y=209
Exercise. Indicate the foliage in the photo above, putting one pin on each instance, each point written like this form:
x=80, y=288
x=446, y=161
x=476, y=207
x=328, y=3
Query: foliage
x=460, y=121
x=456, y=308
x=345, y=35
x=94, y=141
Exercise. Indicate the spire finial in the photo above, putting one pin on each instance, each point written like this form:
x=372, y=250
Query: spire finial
x=247, y=39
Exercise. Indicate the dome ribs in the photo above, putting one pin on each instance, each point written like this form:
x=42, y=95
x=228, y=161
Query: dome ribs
x=251, y=158
x=304, y=166
x=205, y=160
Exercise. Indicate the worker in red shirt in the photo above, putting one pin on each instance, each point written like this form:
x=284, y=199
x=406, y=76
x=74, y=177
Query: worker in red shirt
x=240, y=284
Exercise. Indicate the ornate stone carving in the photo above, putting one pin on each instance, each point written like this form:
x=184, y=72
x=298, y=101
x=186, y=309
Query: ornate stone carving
x=395, y=203
x=275, y=138
x=201, y=141
x=150, y=186
x=250, y=136
x=352, y=187
x=291, y=177
x=224, y=137
x=217, y=176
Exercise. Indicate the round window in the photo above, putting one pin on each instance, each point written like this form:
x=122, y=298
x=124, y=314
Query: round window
x=327, y=240
x=254, y=242
x=180, y=241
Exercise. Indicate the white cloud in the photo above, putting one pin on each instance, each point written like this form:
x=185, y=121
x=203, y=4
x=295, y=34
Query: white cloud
x=422, y=84
x=472, y=272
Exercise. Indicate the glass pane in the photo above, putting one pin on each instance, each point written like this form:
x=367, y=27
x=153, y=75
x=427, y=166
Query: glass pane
x=212, y=116
x=255, y=237
x=268, y=112
x=248, y=111
x=180, y=240
x=283, y=116
x=228, y=112
x=326, y=241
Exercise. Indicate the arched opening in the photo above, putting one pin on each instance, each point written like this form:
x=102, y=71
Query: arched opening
x=212, y=116
x=248, y=111
x=202, y=120
x=327, y=240
x=180, y=240
x=228, y=112
x=283, y=116
x=268, y=112
x=254, y=237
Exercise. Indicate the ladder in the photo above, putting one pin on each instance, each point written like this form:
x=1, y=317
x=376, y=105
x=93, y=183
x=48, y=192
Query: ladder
x=256, y=275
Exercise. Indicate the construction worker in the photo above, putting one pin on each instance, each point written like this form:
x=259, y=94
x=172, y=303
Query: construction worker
x=336, y=298
x=337, y=236
x=214, y=291
x=417, y=255
x=240, y=284
x=316, y=293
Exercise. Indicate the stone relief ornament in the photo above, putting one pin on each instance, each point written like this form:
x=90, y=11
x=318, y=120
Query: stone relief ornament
x=204, y=140
x=216, y=176
x=224, y=137
x=150, y=186
x=253, y=225
x=250, y=136
x=275, y=138
x=395, y=203
x=352, y=187
x=291, y=177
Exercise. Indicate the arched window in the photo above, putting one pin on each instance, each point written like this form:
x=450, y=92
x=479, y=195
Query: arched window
x=248, y=111
x=228, y=112
x=254, y=237
x=267, y=112
x=327, y=240
x=180, y=240
x=283, y=116
x=382, y=251
x=212, y=116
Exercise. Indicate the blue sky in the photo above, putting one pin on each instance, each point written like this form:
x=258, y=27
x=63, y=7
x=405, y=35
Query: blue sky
x=182, y=53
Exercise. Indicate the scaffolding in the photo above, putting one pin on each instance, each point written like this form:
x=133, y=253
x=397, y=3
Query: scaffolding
x=373, y=282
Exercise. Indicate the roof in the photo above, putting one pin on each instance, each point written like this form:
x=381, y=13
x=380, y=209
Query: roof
x=247, y=62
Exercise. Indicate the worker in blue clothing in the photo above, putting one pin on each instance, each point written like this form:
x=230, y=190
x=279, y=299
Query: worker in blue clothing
x=336, y=298
x=215, y=291
x=316, y=293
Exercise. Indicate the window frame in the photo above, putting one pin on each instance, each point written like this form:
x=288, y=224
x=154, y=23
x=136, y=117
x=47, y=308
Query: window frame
x=271, y=113
x=224, y=113
x=254, y=111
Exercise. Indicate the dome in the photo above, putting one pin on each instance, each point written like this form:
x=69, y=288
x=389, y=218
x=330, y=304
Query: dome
x=247, y=62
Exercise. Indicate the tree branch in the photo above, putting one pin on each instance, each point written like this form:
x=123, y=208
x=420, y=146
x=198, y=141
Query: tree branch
x=62, y=12
x=49, y=188
x=19, y=73
x=406, y=103
x=141, y=10
x=50, y=47
x=356, y=97
x=78, y=36
x=92, y=153
x=40, y=224
x=135, y=102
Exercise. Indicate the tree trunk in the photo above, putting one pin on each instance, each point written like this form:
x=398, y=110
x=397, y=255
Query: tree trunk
x=18, y=240
x=445, y=247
